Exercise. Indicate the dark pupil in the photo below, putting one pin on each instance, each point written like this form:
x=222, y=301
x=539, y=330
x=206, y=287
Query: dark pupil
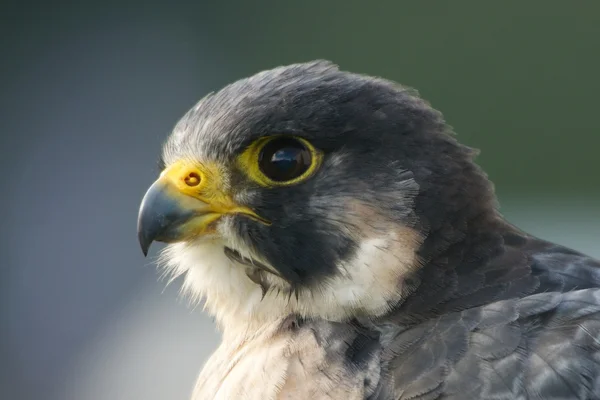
x=284, y=159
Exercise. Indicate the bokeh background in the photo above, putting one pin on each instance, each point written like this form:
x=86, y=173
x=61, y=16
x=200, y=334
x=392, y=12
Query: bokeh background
x=88, y=92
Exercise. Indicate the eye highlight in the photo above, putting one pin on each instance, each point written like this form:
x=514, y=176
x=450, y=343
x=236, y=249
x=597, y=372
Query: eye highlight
x=280, y=160
x=284, y=159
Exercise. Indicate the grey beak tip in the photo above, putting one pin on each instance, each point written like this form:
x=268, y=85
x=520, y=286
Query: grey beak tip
x=159, y=217
x=144, y=242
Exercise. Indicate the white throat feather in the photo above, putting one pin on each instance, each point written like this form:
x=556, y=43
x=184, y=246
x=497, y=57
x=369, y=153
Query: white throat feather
x=369, y=283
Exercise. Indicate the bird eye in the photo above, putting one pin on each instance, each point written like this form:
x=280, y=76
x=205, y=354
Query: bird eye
x=280, y=160
x=284, y=159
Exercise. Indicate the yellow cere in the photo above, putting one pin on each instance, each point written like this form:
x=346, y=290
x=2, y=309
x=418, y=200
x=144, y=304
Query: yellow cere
x=205, y=182
x=248, y=162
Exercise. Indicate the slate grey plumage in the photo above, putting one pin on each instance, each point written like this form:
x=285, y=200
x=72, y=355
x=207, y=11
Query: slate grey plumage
x=391, y=256
x=528, y=327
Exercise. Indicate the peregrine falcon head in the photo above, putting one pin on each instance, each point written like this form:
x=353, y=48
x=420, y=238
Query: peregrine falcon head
x=310, y=191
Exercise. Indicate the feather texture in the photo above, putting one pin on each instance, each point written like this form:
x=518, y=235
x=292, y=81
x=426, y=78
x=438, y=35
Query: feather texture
x=523, y=324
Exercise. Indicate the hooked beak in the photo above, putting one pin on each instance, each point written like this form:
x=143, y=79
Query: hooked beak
x=183, y=203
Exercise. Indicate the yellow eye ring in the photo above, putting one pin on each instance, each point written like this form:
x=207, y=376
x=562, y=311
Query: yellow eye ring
x=280, y=160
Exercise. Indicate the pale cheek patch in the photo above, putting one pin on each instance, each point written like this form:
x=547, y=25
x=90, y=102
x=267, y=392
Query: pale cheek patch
x=367, y=283
x=372, y=280
x=256, y=359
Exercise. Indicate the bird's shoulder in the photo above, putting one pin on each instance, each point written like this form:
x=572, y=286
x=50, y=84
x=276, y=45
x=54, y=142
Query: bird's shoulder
x=522, y=322
x=525, y=323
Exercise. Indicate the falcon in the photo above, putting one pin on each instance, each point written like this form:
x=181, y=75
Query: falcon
x=348, y=247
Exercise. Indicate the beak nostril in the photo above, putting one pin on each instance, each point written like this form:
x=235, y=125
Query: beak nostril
x=192, y=179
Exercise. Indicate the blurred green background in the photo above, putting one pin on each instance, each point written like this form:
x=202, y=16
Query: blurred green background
x=89, y=90
x=517, y=79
